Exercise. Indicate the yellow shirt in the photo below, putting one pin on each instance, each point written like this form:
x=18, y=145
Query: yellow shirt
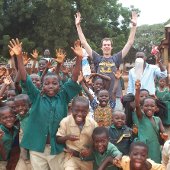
x=125, y=164
x=68, y=126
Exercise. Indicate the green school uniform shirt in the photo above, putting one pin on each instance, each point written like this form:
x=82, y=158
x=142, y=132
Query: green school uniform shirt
x=99, y=158
x=45, y=116
x=7, y=140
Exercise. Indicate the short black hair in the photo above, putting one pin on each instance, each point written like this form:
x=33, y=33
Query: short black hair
x=141, y=90
x=51, y=74
x=149, y=97
x=138, y=144
x=23, y=97
x=99, y=131
x=5, y=108
x=80, y=99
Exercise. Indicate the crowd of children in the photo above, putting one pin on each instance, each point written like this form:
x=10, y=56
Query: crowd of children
x=56, y=118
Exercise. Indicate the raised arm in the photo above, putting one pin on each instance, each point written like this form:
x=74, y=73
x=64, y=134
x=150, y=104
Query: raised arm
x=79, y=55
x=106, y=79
x=60, y=56
x=137, y=99
x=81, y=34
x=7, y=82
x=117, y=75
x=34, y=54
x=16, y=47
x=131, y=38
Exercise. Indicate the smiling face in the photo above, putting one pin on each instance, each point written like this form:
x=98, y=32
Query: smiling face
x=79, y=112
x=98, y=85
x=103, y=98
x=36, y=80
x=119, y=119
x=107, y=48
x=11, y=94
x=21, y=106
x=7, y=118
x=51, y=85
x=149, y=107
x=100, y=142
x=138, y=157
x=42, y=65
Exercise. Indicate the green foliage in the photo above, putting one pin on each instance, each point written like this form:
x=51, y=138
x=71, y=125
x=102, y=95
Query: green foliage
x=50, y=24
x=148, y=35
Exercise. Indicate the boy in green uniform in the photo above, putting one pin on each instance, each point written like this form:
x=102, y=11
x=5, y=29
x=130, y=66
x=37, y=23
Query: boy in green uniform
x=49, y=107
x=105, y=153
x=8, y=132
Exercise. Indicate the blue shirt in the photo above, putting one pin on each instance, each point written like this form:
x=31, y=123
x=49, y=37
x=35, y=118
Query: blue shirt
x=147, y=81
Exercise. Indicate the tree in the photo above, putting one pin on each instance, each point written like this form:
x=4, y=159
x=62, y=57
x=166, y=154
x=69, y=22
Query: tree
x=148, y=35
x=50, y=23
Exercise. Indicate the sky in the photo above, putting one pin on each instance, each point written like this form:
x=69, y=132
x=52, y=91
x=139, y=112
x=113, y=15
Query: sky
x=152, y=11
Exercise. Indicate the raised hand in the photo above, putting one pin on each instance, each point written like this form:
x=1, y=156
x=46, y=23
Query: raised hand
x=3, y=71
x=11, y=53
x=137, y=84
x=78, y=49
x=26, y=58
x=60, y=55
x=16, y=47
x=77, y=18
x=8, y=80
x=118, y=74
x=80, y=77
x=134, y=18
x=34, y=54
x=164, y=136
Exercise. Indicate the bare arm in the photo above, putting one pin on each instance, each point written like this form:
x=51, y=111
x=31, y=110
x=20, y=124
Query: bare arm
x=117, y=75
x=81, y=34
x=137, y=100
x=35, y=56
x=87, y=91
x=79, y=55
x=16, y=47
x=131, y=38
x=106, y=79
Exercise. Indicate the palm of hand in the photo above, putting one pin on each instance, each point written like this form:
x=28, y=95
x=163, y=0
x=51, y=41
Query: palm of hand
x=35, y=54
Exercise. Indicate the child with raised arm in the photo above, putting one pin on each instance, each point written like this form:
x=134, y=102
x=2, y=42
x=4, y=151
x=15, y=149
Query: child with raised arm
x=49, y=107
x=75, y=132
x=150, y=127
x=103, y=110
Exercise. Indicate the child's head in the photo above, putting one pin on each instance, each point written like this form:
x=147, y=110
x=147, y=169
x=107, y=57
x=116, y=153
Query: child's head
x=162, y=82
x=138, y=155
x=149, y=106
x=103, y=98
x=100, y=138
x=11, y=104
x=36, y=80
x=80, y=109
x=143, y=94
x=11, y=94
x=98, y=85
x=22, y=104
x=7, y=117
x=42, y=64
x=119, y=118
x=51, y=84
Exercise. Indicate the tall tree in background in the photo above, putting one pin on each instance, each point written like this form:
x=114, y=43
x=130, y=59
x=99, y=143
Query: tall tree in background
x=50, y=23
